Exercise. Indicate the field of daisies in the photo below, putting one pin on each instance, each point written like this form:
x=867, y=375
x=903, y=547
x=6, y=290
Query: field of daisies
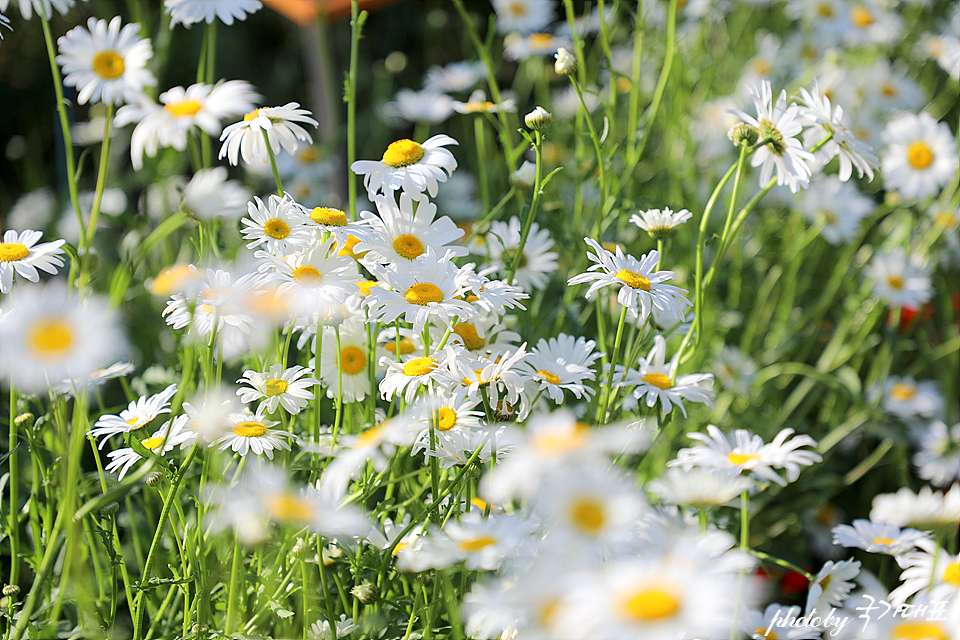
x=534, y=319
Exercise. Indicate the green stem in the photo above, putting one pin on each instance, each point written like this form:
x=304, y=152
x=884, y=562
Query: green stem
x=532, y=212
x=350, y=97
x=14, y=468
x=603, y=406
x=273, y=162
x=664, y=76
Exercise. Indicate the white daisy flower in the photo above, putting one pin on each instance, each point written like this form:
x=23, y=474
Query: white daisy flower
x=410, y=166
x=734, y=369
x=137, y=415
x=320, y=630
x=938, y=460
x=279, y=226
x=778, y=125
x=429, y=290
x=822, y=120
x=407, y=377
x=931, y=571
x=699, y=487
x=418, y=106
x=171, y=435
x=48, y=335
x=312, y=279
x=872, y=22
x=278, y=387
x=180, y=110
x=20, y=253
x=658, y=380
x=249, y=432
x=492, y=297
x=209, y=195
x=188, y=12
x=106, y=63
x=906, y=398
x=94, y=379
x=536, y=264
x=478, y=103
x=457, y=447
x=519, y=47
x=354, y=371
x=456, y=77
x=641, y=288
x=562, y=363
x=523, y=15
x=482, y=335
x=330, y=221
x=921, y=156
x=831, y=585
x=900, y=280
x=41, y=7
x=245, y=139
x=749, y=453
x=877, y=537
x=481, y=543
x=926, y=510
x=399, y=236
x=838, y=206
x=502, y=375
x=767, y=625
x=660, y=224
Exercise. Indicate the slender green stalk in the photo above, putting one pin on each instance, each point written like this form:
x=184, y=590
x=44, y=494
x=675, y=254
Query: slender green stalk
x=85, y=259
x=14, y=469
x=532, y=212
x=273, y=162
x=357, y=18
x=603, y=406
x=654, y=107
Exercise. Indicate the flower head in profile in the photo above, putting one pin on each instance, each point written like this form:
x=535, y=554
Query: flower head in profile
x=410, y=166
x=174, y=433
x=640, y=287
x=20, y=253
x=523, y=15
x=137, y=415
x=660, y=223
x=106, y=63
x=534, y=264
x=749, y=453
x=245, y=139
x=877, y=537
x=41, y=7
x=823, y=120
x=778, y=125
x=563, y=363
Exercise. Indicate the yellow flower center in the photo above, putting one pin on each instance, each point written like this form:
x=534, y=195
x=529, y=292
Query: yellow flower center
x=152, y=443
x=552, y=378
x=825, y=9
x=51, y=337
x=276, y=228
x=329, y=216
x=588, y=515
x=888, y=90
x=648, y=605
x=477, y=544
x=763, y=634
x=477, y=107
x=902, y=392
x=275, y=387
x=250, y=429
x=886, y=541
x=919, y=155
x=286, y=508
x=423, y=293
x=170, y=280
x=365, y=286
x=408, y=246
x=419, y=367
x=518, y=9
x=540, y=39
x=371, y=436
x=353, y=360
x=446, y=419
x=468, y=333
x=11, y=252
x=309, y=155
x=183, y=108
x=346, y=249
x=952, y=574
x=403, y=153
x=634, y=280
x=919, y=631
x=558, y=442
x=740, y=459
x=132, y=421
x=250, y=116
x=761, y=66
x=861, y=17
x=307, y=276
x=406, y=346
x=108, y=65
x=658, y=380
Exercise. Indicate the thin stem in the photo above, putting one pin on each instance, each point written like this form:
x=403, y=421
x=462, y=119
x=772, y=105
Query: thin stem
x=350, y=98
x=532, y=212
x=273, y=163
x=603, y=406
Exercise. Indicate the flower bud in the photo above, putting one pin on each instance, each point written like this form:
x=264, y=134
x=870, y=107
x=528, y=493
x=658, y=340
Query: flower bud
x=109, y=509
x=538, y=119
x=300, y=548
x=156, y=479
x=566, y=63
x=742, y=134
x=11, y=590
x=23, y=419
x=365, y=592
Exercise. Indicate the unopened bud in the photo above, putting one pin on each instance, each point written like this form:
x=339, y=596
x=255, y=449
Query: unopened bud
x=300, y=548
x=109, y=509
x=538, y=119
x=330, y=554
x=365, y=592
x=524, y=177
x=742, y=134
x=156, y=479
x=566, y=62
x=11, y=590
x=23, y=419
